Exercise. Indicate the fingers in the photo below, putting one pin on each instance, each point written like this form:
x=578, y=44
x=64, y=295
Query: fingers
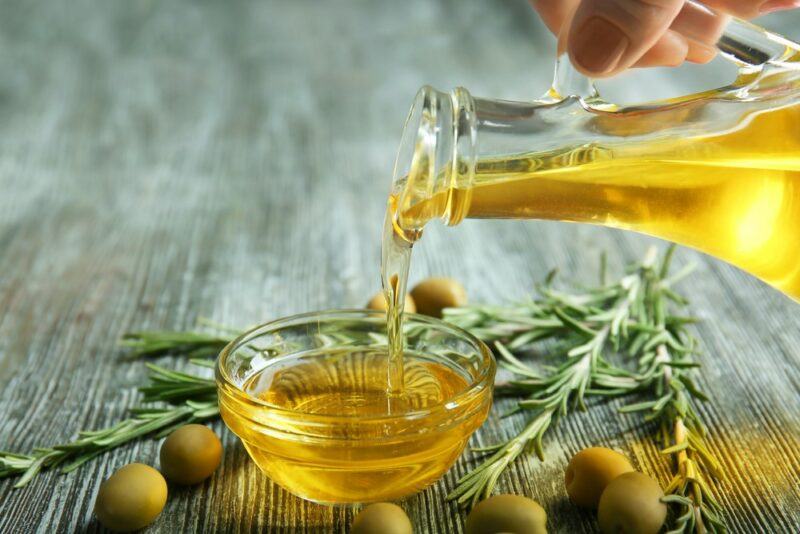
x=608, y=36
x=748, y=9
x=700, y=24
x=700, y=53
x=670, y=50
x=702, y=29
x=604, y=37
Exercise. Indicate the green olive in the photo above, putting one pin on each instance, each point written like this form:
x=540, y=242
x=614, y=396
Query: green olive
x=190, y=454
x=131, y=498
x=507, y=513
x=432, y=295
x=631, y=504
x=590, y=471
x=381, y=518
x=378, y=302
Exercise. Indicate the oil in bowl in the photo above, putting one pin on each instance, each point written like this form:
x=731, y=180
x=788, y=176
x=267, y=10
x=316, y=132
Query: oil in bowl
x=308, y=397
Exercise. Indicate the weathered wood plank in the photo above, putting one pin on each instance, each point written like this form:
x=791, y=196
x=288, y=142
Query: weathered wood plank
x=164, y=161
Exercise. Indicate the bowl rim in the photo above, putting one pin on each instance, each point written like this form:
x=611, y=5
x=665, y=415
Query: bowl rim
x=484, y=380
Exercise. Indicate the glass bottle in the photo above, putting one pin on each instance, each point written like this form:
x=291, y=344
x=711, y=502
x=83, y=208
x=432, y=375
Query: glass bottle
x=718, y=171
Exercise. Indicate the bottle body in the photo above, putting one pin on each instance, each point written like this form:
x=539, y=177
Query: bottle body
x=719, y=171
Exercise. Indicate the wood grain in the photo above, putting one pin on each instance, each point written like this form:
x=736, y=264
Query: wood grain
x=161, y=161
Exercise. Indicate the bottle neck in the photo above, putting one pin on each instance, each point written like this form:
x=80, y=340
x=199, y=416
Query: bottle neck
x=435, y=166
x=454, y=142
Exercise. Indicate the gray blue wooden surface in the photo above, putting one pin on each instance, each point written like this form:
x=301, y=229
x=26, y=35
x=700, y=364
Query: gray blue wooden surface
x=161, y=161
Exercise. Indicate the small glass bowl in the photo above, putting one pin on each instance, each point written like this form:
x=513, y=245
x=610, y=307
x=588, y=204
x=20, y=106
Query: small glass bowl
x=351, y=456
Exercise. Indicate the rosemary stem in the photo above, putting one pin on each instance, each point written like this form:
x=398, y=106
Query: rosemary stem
x=196, y=403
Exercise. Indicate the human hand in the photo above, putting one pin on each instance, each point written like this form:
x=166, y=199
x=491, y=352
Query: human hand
x=605, y=37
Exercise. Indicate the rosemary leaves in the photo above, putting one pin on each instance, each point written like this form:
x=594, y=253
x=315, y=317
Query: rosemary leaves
x=632, y=318
x=190, y=399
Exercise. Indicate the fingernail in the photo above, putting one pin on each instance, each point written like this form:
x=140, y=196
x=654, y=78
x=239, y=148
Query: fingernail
x=599, y=45
x=778, y=5
x=700, y=52
x=679, y=44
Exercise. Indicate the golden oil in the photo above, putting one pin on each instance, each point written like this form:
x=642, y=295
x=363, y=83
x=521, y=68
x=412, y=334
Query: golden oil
x=734, y=195
x=333, y=432
x=395, y=263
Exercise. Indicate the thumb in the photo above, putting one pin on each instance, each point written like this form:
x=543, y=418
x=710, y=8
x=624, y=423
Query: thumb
x=608, y=36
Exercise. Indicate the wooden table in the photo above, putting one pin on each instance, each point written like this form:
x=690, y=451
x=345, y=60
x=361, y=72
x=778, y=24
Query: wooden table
x=161, y=161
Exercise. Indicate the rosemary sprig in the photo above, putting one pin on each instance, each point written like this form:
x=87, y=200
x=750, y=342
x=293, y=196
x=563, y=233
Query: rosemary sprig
x=151, y=343
x=631, y=318
x=665, y=365
x=589, y=323
x=190, y=399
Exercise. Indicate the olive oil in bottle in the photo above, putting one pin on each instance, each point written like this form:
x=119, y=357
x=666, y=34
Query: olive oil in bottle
x=734, y=195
